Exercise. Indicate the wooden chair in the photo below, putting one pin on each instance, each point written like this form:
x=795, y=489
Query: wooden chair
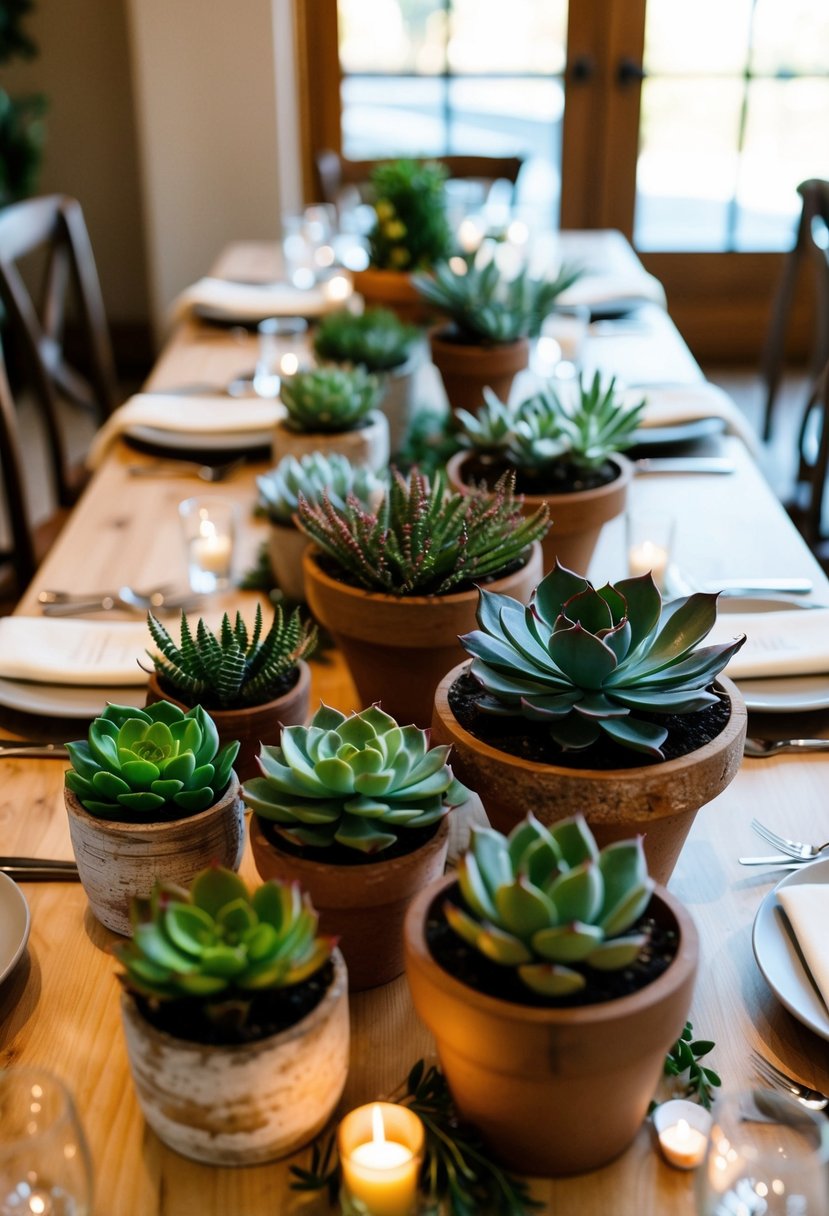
x=335, y=172
x=812, y=242
x=53, y=230
x=807, y=507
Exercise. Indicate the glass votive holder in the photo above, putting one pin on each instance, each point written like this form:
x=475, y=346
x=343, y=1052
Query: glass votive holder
x=209, y=530
x=277, y=355
x=559, y=347
x=381, y=1152
x=650, y=540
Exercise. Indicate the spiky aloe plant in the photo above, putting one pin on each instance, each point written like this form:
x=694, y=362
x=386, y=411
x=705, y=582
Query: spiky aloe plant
x=548, y=903
x=233, y=668
x=358, y=781
x=589, y=661
x=376, y=340
x=312, y=476
x=424, y=539
x=329, y=400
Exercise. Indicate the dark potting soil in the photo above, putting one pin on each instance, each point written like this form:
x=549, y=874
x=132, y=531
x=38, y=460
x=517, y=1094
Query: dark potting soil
x=471, y=967
x=532, y=740
x=334, y=570
x=283, y=684
x=269, y=1013
x=558, y=477
x=339, y=855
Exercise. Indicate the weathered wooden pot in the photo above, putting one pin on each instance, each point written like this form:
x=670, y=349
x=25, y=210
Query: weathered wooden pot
x=398, y=647
x=467, y=370
x=553, y=1091
x=286, y=545
x=244, y=1104
x=393, y=289
x=363, y=905
x=659, y=800
x=253, y=724
x=119, y=861
x=577, y=518
x=368, y=444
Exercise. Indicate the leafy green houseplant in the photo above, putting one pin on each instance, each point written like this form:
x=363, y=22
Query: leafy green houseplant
x=551, y=973
x=235, y=1015
x=333, y=409
x=22, y=130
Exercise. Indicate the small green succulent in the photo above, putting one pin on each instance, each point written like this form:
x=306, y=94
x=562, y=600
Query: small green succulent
x=312, y=476
x=357, y=781
x=588, y=662
x=377, y=340
x=546, y=902
x=149, y=764
x=220, y=945
x=329, y=400
x=411, y=231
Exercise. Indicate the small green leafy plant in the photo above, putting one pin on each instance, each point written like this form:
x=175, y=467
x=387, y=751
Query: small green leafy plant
x=684, y=1060
x=233, y=668
x=588, y=661
x=423, y=539
x=329, y=400
x=312, y=476
x=377, y=340
x=360, y=781
x=411, y=231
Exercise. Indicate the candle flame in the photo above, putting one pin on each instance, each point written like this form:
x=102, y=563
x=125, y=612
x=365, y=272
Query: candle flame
x=289, y=364
x=378, y=1131
x=207, y=528
x=682, y=1129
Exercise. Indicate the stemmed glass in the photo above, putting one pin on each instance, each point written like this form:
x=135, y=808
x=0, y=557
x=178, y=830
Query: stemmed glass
x=45, y=1169
x=766, y=1156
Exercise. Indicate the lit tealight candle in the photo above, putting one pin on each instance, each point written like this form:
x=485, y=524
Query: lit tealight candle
x=682, y=1128
x=210, y=551
x=470, y=234
x=380, y=1149
x=648, y=556
x=338, y=288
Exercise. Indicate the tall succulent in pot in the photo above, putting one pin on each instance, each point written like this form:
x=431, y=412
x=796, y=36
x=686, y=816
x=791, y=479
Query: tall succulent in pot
x=333, y=409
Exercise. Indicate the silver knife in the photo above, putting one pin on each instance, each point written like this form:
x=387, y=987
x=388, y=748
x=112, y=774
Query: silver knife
x=31, y=747
x=684, y=464
x=779, y=860
x=750, y=586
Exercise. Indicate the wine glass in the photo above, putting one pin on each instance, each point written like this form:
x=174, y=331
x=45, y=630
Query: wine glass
x=45, y=1168
x=766, y=1156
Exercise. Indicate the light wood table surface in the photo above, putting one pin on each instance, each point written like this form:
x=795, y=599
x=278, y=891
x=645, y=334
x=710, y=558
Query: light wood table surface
x=59, y=1009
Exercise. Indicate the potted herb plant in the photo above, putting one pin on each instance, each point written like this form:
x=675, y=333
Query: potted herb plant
x=601, y=701
x=251, y=684
x=554, y=978
x=150, y=794
x=379, y=342
x=235, y=1014
x=355, y=809
x=311, y=476
x=395, y=586
x=333, y=409
x=491, y=319
x=565, y=448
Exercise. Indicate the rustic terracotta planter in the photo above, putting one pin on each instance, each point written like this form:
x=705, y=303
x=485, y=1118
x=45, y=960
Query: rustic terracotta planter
x=367, y=444
x=393, y=289
x=398, y=647
x=363, y=905
x=553, y=1091
x=467, y=370
x=659, y=800
x=286, y=545
x=254, y=724
x=119, y=861
x=244, y=1104
x=577, y=519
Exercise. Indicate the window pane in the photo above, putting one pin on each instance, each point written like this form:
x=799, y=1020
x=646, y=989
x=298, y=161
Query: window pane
x=390, y=116
x=392, y=35
x=791, y=36
x=524, y=36
x=700, y=37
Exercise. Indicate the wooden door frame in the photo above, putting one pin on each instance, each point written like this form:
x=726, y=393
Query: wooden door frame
x=318, y=84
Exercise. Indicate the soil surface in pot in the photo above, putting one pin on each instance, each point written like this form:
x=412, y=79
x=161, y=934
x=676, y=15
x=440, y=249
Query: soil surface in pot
x=532, y=740
x=334, y=570
x=558, y=477
x=470, y=967
x=270, y=1013
x=283, y=684
x=339, y=855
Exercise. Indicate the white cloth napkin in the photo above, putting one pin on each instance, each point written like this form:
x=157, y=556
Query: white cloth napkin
x=187, y=415
x=620, y=290
x=687, y=403
x=47, y=651
x=787, y=643
x=807, y=907
x=252, y=302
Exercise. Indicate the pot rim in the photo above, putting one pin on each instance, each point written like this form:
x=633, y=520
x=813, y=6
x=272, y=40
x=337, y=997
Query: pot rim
x=623, y=477
x=302, y=683
x=374, y=420
x=438, y=336
x=434, y=843
x=74, y=806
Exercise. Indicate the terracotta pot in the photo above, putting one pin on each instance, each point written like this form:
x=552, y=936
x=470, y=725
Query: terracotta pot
x=577, y=518
x=286, y=545
x=398, y=647
x=393, y=289
x=119, y=861
x=363, y=905
x=254, y=724
x=659, y=800
x=367, y=444
x=243, y=1104
x=553, y=1091
x=467, y=370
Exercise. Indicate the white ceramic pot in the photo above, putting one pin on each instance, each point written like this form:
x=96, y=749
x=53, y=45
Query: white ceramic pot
x=368, y=444
x=400, y=398
x=286, y=546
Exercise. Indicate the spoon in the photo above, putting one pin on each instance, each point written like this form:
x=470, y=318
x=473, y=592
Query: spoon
x=153, y=595
x=125, y=597
x=183, y=468
x=760, y=748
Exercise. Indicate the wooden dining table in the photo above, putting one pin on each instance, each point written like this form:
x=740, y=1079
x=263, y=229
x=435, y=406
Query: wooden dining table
x=60, y=1007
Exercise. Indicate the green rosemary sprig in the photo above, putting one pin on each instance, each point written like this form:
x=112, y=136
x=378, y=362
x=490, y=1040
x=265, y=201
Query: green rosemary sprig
x=684, y=1057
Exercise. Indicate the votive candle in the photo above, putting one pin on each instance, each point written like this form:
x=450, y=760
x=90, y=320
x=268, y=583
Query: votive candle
x=381, y=1149
x=682, y=1128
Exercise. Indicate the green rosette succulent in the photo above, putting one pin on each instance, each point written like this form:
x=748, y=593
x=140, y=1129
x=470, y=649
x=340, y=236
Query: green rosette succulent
x=376, y=339
x=547, y=902
x=589, y=661
x=329, y=400
x=313, y=476
x=150, y=764
x=357, y=781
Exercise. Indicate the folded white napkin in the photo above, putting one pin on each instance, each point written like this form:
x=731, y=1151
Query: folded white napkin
x=47, y=651
x=687, y=403
x=187, y=415
x=252, y=302
x=594, y=290
x=807, y=907
x=788, y=643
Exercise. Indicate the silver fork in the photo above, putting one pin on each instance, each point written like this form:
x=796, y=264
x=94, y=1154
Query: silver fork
x=183, y=468
x=813, y=1099
x=792, y=848
x=759, y=749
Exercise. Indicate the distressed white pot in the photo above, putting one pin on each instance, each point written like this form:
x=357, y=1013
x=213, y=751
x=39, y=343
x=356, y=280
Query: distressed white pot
x=244, y=1104
x=286, y=545
x=400, y=399
x=367, y=444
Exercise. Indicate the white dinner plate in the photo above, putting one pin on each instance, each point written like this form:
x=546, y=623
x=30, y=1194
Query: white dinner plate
x=67, y=700
x=649, y=438
x=192, y=441
x=15, y=923
x=785, y=694
x=778, y=956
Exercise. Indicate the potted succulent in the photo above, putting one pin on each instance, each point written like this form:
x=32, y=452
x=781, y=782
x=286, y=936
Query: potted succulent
x=355, y=809
x=491, y=320
x=235, y=1014
x=312, y=475
x=395, y=586
x=601, y=701
x=411, y=232
x=333, y=409
x=554, y=978
x=150, y=794
x=251, y=684
x=564, y=446
x=379, y=342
